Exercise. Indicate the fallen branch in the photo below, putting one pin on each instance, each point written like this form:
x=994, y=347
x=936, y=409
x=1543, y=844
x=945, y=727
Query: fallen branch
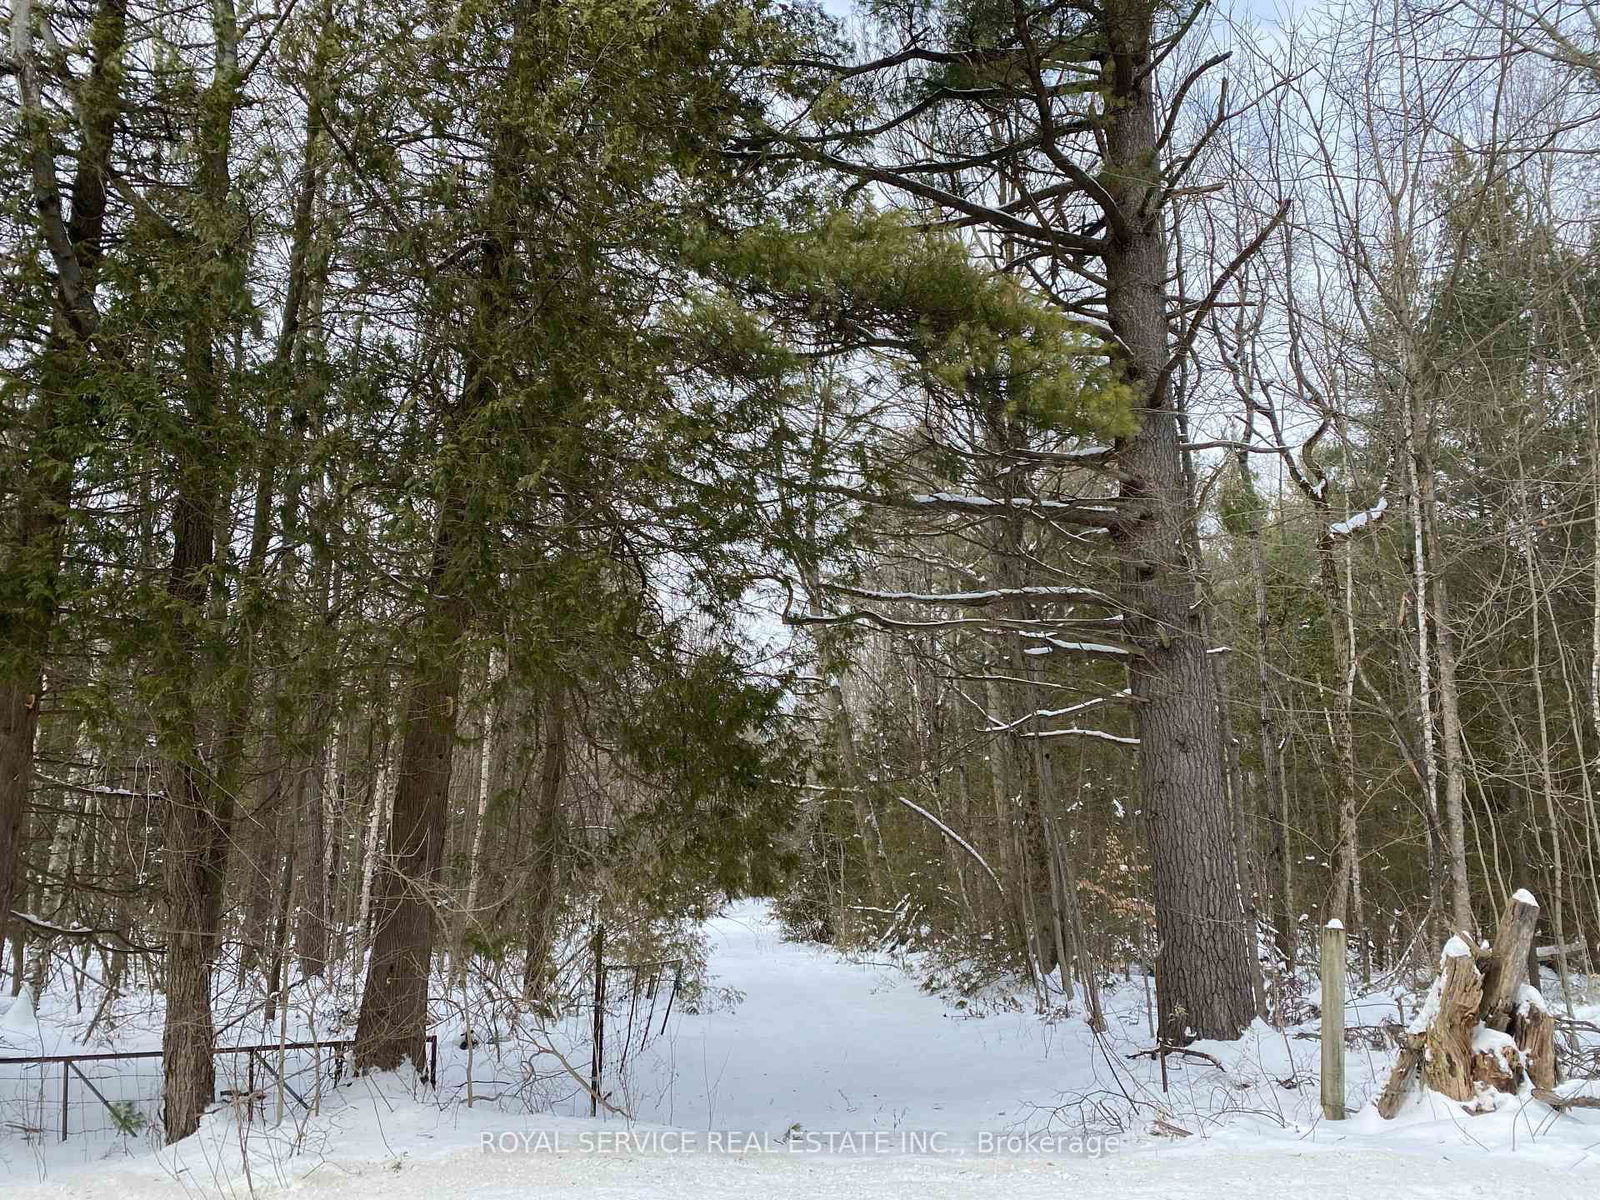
x=1165, y=1049
x=583, y=1083
x=1561, y=1103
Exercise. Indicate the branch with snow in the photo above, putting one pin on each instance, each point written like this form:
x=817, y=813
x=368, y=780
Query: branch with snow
x=1047, y=713
x=1052, y=645
x=1097, y=515
x=105, y=939
x=978, y=599
x=988, y=624
x=956, y=838
x=95, y=789
x=1360, y=520
x=1099, y=734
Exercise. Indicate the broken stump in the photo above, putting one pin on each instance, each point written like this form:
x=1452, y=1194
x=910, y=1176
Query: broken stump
x=1484, y=1029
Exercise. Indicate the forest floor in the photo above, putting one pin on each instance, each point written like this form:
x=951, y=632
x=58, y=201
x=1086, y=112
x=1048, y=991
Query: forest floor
x=804, y=1073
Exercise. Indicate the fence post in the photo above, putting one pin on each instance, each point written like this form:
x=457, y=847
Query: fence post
x=597, y=1045
x=1333, y=964
x=66, y=1076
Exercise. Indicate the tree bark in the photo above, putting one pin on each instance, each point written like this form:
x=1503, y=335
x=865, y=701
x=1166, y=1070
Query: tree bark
x=1346, y=863
x=544, y=880
x=394, y=1004
x=1203, y=981
x=1277, y=795
x=200, y=786
x=311, y=924
x=392, y=1026
x=257, y=872
x=488, y=748
x=834, y=663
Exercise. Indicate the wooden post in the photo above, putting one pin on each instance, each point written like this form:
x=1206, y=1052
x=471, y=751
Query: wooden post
x=1333, y=961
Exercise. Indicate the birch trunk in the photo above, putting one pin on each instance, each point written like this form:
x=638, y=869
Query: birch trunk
x=487, y=744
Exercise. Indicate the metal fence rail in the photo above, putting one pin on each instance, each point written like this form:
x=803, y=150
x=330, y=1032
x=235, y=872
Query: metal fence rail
x=114, y=1099
x=646, y=982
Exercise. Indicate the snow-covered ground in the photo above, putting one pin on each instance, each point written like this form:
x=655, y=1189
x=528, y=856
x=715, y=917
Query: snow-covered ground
x=818, y=1075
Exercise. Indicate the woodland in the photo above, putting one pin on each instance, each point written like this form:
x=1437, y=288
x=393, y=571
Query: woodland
x=1069, y=486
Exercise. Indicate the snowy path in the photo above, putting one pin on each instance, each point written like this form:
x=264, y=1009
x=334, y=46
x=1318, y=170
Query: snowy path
x=829, y=1044
x=833, y=1044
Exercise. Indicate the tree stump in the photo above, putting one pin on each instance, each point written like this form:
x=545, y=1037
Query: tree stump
x=1536, y=1038
x=1394, y=1092
x=1507, y=968
x=1484, y=1029
x=1447, y=1039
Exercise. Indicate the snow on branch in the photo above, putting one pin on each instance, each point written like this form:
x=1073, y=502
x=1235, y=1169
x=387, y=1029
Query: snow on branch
x=867, y=616
x=977, y=599
x=1045, y=713
x=1094, y=516
x=95, y=789
x=956, y=838
x=1081, y=456
x=106, y=939
x=1053, y=644
x=1101, y=734
x=1360, y=520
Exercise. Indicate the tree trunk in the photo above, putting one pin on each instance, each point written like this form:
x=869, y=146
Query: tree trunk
x=833, y=664
x=1424, y=657
x=44, y=492
x=200, y=786
x=1203, y=982
x=372, y=839
x=1455, y=771
x=544, y=881
x=394, y=1004
x=1431, y=600
x=1285, y=919
x=257, y=873
x=1346, y=869
x=196, y=820
x=392, y=1026
x=311, y=926
x=493, y=715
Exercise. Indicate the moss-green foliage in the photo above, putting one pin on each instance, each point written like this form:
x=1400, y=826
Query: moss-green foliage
x=988, y=48
x=877, y=280
x=1239, y=505
x=718, y=754
x=494, y=945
